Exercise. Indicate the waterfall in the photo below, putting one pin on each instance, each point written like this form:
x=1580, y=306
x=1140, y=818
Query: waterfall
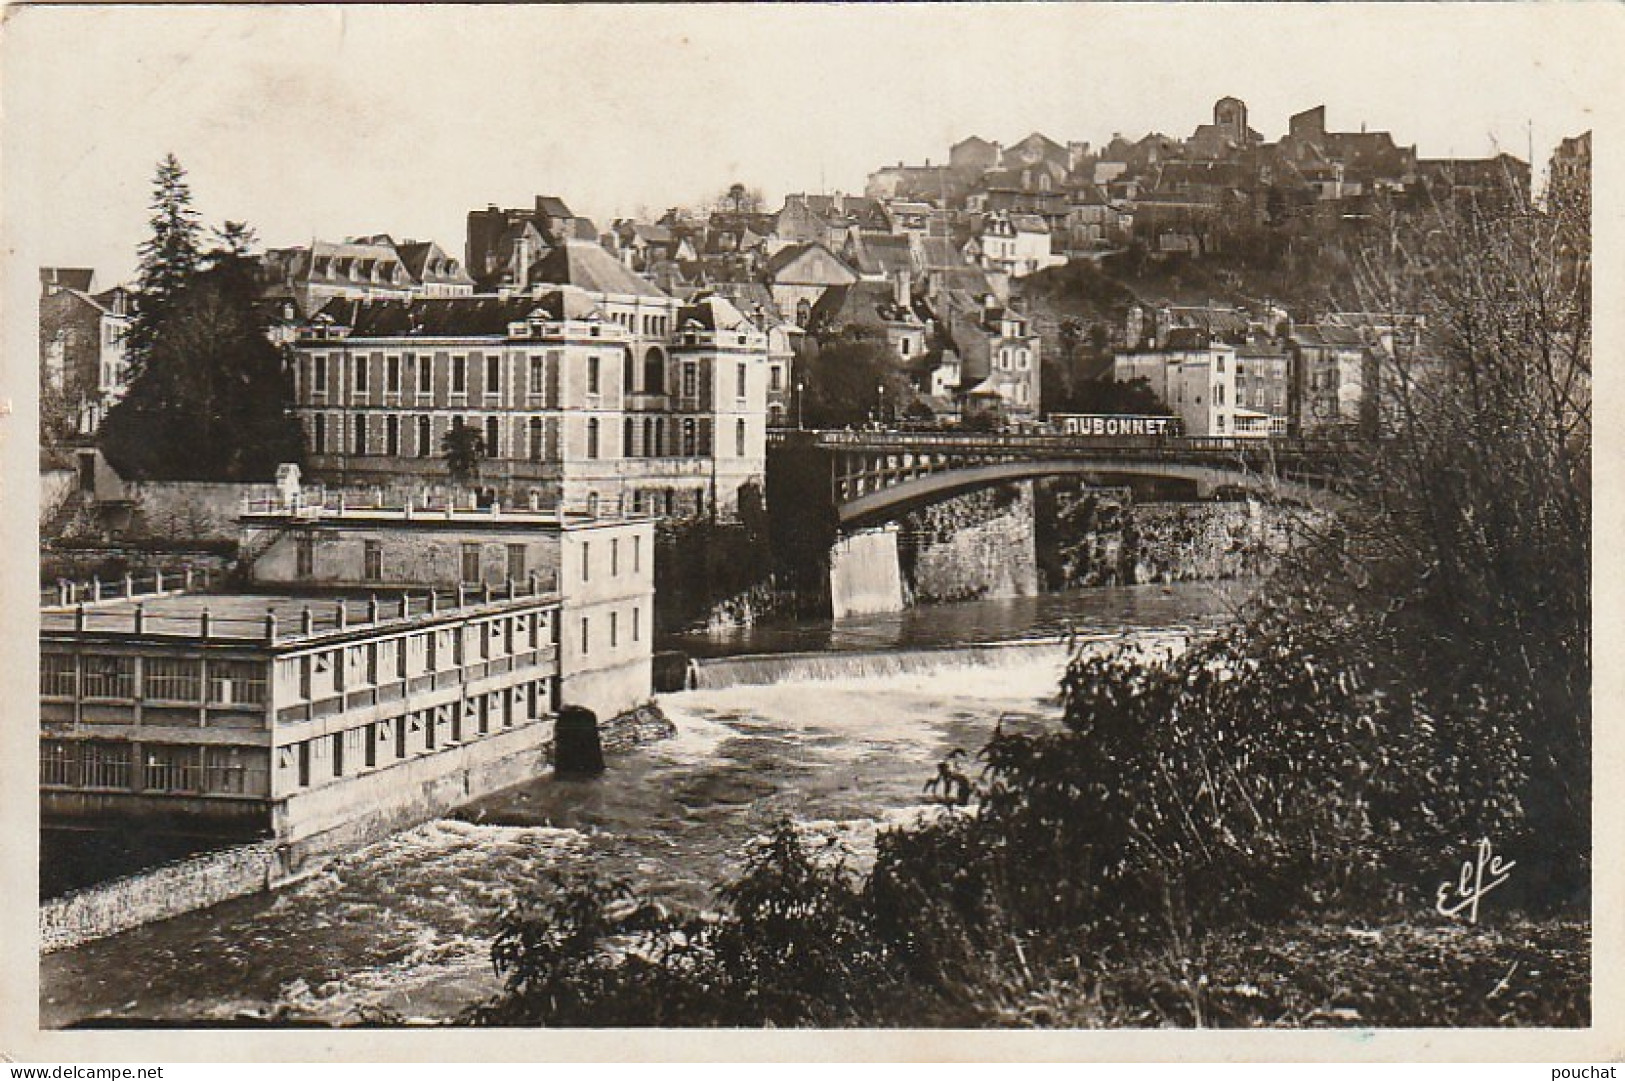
x=864, y=576
x=768, y=668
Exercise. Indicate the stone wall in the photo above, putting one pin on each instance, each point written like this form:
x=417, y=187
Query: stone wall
x=195, y=510
x=1177, y=542
x=211, y=877
x=158, y=894
x=977, y=545
x=1102, y=536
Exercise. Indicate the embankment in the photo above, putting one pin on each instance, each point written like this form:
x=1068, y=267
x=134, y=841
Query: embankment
x=208, y=878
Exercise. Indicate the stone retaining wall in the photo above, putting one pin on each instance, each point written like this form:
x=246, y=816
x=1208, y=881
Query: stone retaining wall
x=175, y=888
x=209, y=878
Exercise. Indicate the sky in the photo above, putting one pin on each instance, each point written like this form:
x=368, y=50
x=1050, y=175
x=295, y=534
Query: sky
x=331, y=121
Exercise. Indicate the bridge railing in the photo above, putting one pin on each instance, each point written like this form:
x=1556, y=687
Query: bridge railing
x=983, y=442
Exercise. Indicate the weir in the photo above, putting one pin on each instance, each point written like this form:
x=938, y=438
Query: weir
x=768, y=668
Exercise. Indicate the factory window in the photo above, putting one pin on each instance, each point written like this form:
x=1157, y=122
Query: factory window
x=637, y=554
x=586, y=642
x=57, y=674
x=426, y=374
x=392, y=375
x=592, y=438
x=471, y=563
x=304, y=557
x=459, y=375
x=628, y=432
x=392, y=435
x=516, y=562
x=614, y=629
x=635, y=614
x=318, y=433
x=535, y=438
x=691, y=380
x=169, y=768
x=226, y=769
x=318, y=378
x=739, y=438
x=172, y=680
x=740, y=371
x=109, y=676
x=536, y=378
x=105, y=765
x=360, y=363
x=493, y=438
x=493, y=375
x=338, y=754
x=592, y=375
x=614, y=557
x=236, y=683
x=360, y=422
x=586, y=560
x=58, y=764
x=425, y=437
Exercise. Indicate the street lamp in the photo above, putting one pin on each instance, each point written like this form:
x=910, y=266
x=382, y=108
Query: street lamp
x=880, y=409
x=800, y=396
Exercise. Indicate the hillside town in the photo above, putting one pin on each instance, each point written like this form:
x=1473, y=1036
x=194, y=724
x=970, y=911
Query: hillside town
x=446, y=498
x=642, y=362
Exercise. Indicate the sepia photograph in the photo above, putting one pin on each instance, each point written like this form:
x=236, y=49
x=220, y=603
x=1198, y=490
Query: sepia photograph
x=1072, y=519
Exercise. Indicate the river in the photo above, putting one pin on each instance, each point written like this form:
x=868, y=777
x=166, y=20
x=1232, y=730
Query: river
x=402, y=925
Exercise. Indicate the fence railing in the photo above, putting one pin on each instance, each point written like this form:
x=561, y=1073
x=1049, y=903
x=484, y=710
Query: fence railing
x=66, y=594
x=342, y=507
x=286, y=621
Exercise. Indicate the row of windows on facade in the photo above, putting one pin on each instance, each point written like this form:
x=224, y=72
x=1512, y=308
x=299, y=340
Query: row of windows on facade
x=537, y=439
x=227, y=770
x=163, y=679
x=154, y=767
x=544, y=371
x=647, y=324
x=419, y=732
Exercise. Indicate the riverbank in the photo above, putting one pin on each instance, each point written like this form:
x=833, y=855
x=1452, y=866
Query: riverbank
x=404, y=925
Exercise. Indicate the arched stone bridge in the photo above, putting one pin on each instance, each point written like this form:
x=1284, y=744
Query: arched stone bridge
x=876, y=475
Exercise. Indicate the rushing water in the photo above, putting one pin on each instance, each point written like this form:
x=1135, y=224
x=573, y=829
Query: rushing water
x=403, y=924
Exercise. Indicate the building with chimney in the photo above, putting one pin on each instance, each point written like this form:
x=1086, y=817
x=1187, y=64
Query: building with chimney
x=83, y=371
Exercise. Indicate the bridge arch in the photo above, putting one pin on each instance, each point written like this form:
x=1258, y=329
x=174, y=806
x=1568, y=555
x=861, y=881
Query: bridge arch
x=887, y=502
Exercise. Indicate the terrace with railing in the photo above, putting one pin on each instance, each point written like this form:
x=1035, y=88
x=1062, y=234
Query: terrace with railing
x=268, y=619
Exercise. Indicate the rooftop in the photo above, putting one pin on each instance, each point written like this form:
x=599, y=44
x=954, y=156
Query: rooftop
x=272, y=618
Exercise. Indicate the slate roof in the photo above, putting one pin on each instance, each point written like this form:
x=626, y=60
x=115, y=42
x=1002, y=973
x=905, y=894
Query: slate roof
x=709, y=311
x=426, y=261
x=1327, y=334
x=553, y=207
x=588, y=266
x=452, y=317
x=68, y=277
x=785, y=256
x=882, y=253
x=868, y=304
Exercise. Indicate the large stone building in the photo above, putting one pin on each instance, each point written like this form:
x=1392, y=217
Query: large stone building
x=390, y=665
x=619, y=401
